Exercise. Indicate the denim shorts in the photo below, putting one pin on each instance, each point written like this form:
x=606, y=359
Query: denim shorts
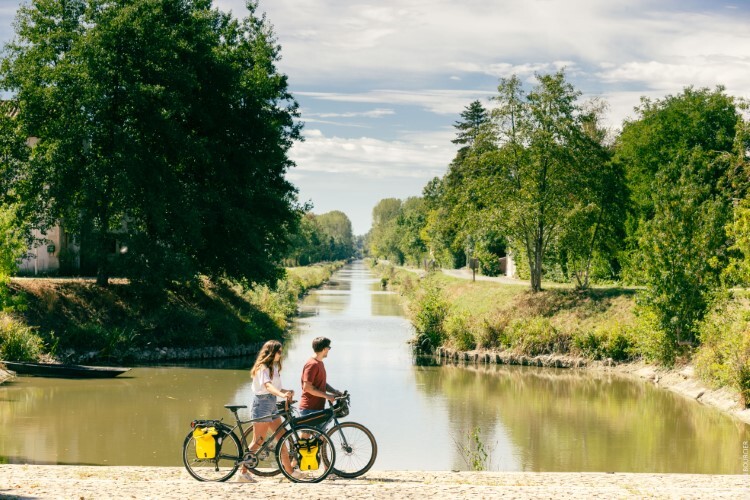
x=263, y=406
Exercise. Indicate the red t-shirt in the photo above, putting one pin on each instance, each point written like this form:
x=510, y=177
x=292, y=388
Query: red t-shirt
x=313, y=372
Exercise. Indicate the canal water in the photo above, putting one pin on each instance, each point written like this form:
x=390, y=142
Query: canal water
x=530, y=419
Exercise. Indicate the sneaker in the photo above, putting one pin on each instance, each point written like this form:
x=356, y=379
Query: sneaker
x=246, y=477
x=300, y=475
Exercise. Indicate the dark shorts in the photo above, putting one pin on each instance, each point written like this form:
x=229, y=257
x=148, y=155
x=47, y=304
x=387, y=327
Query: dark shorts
x=263, y=406
x=321, y=426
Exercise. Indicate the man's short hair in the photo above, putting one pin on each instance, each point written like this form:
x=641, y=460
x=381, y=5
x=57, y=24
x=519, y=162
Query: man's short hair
x=320, y=343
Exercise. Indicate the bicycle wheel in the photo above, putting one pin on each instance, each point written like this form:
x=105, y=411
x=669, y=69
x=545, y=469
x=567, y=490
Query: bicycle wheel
x=355, y=447
x=310, y=452
x=268, y=465
x=219, y=468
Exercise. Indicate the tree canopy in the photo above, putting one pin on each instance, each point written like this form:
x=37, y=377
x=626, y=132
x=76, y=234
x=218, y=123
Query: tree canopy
x=162, y=124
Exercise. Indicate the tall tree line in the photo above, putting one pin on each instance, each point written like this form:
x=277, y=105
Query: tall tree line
x=162, y=123
x=325, y=237
x=662, y=203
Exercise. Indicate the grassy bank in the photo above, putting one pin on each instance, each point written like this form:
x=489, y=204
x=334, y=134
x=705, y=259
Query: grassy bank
x=63, y=319
x=603, y=323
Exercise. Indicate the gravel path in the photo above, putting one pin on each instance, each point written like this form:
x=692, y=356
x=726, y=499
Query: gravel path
x=80, y=483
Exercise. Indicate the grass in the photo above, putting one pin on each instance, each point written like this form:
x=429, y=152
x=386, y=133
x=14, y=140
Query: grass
x=77, y=315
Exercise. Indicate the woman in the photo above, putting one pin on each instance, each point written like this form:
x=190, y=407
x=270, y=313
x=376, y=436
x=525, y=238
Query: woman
x=266, y=373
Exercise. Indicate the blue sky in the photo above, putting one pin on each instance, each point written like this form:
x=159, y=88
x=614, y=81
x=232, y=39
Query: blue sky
x=380, y=83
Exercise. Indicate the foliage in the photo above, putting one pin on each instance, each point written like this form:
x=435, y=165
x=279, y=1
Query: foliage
x=18, y=342
x=458, y=332
x=613, y=339
x=724, y=355
x=161, y=124
x=474, y=451
x=384, y=237
x=534, y=336
x=12, y=247
x=428, y=310
x=677, y=156
x=326, y=237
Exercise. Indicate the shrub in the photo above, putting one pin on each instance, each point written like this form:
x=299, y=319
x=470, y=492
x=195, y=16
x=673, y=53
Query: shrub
x=457, y=330
x=534, y=336
x=429, y=310
x=18, y=342
x=491, y=330
x=651, y=342
x=610, y=340
x=724, y=355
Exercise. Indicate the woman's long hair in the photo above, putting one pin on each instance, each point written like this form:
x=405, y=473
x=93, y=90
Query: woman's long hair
x=265, y=357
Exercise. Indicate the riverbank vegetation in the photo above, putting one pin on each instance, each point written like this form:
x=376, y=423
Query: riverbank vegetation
x=63, y=319
x=658, y=211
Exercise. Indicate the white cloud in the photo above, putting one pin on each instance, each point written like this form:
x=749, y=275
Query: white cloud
x=420, y=155
x=374, y=113
x=438, y=101
x=733, y=72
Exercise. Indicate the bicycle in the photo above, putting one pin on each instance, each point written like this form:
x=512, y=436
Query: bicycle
x=356, y=448
x=213, y=452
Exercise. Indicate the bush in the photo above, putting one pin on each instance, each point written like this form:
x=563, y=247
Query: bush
x=492, y=329
x=724, y=355
x=610, y=340
x=457, y=330
x=534, y=336
x=18, y=342
x=650, y=341
x=429, y=310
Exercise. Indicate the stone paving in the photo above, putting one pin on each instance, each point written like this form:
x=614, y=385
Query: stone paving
x=82, y=483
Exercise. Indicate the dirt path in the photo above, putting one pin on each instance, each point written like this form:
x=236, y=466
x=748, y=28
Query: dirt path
x=79, y=482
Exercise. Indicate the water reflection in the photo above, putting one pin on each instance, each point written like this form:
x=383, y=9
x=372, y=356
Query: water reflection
x=539, y=419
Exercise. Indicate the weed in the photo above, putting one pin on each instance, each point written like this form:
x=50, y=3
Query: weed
x=474, y=451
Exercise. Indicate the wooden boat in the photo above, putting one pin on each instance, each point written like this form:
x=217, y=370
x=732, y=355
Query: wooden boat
x=63, y=371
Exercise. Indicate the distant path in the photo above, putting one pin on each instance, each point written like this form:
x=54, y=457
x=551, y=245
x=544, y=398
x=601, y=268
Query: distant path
x=84, y=482
x=465, y=273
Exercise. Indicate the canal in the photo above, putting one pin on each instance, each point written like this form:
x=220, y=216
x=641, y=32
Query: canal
x=529, y=419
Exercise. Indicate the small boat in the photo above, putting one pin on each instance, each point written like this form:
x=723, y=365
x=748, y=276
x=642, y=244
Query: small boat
x=63, y=371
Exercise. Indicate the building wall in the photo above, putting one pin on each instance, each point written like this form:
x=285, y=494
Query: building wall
x=44, y=257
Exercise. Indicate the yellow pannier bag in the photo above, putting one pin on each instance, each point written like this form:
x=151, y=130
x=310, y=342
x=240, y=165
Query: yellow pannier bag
x=205, y=443
x=308, y=450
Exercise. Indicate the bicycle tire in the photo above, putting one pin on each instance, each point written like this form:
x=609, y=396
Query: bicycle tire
x=268, y=466
x=360, y=452
x=290, y=441
x=217, y=469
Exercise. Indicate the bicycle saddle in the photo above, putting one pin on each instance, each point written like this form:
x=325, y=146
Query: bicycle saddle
x=234, y=407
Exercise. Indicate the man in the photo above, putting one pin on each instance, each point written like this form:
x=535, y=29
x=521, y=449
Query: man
x=315, y=388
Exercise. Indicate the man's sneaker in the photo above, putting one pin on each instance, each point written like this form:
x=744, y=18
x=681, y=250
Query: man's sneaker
x=246, y=477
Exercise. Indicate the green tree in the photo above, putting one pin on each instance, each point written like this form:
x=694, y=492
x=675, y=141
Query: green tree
x=593, y=230
x=161, y=123
x=543, y=159
x=384, y=238
x=336, y=231
x=679, y=156
x=411, y=222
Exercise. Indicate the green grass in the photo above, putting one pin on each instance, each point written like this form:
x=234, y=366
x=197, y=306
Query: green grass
x=78, y=315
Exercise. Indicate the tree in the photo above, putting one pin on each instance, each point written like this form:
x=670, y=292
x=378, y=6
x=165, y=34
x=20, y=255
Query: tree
x=383, y=234
x=161, y=123
x=594, y=227
x=336, y=231
x=542, y=161
x=410, y=222
x=680, y=156
x=476, y=120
